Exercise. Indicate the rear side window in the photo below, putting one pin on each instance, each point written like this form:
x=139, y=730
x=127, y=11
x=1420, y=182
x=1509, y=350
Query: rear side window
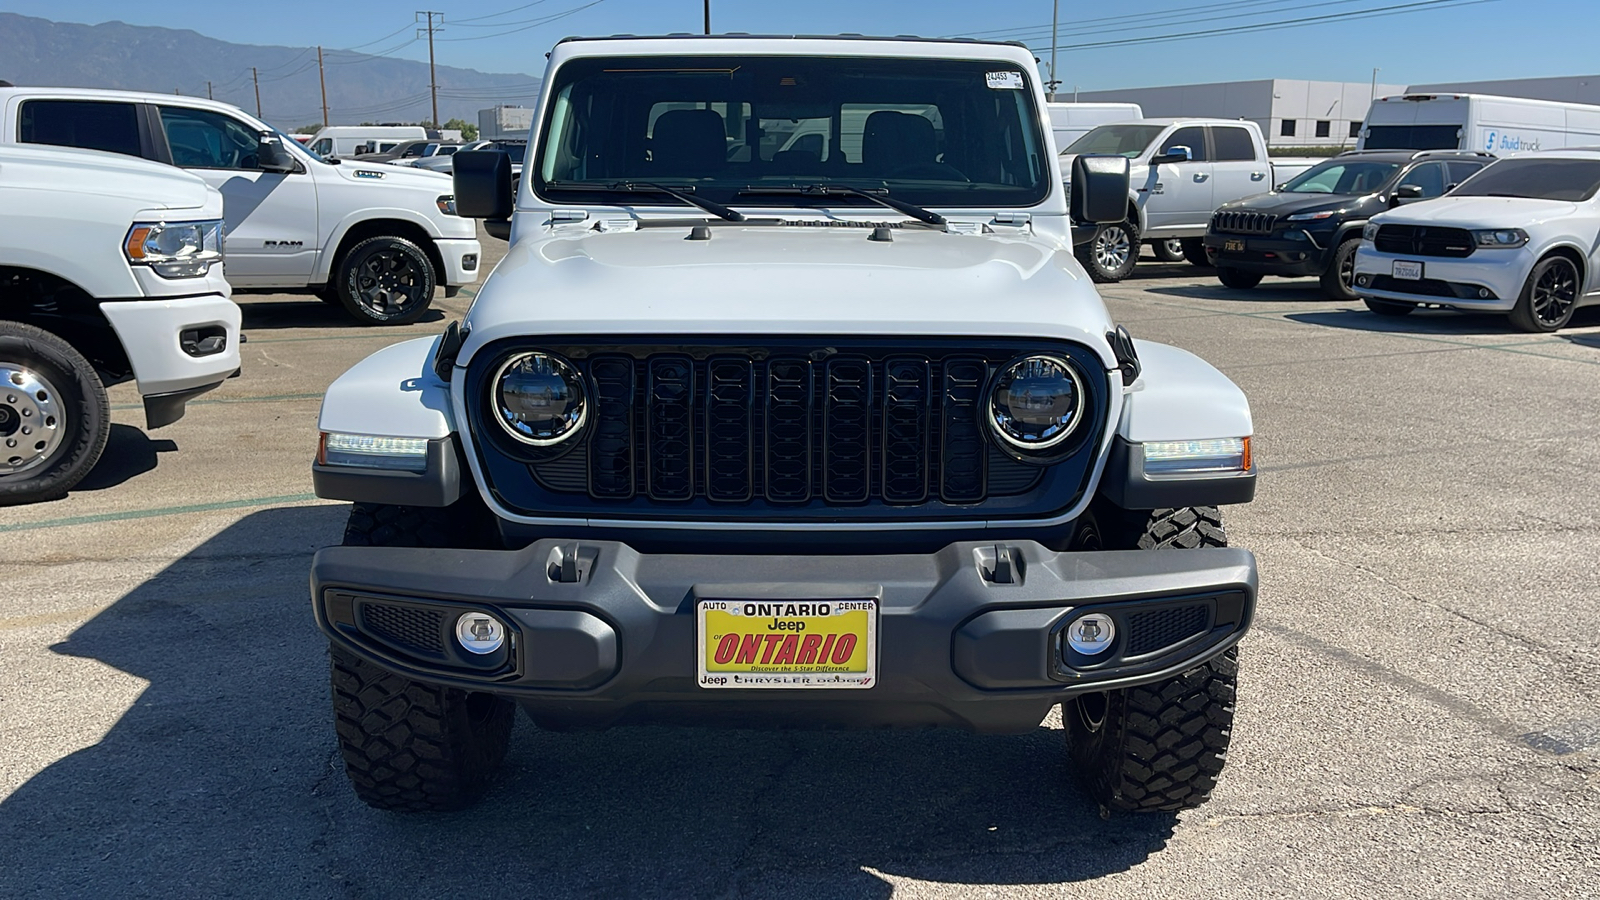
x=1233, y=144
x=1461, y=171
x=1429, y=176
x=87, y=124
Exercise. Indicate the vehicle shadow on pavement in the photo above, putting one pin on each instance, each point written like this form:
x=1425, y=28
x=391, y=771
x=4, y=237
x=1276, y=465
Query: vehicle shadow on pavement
x=1306, y=291
x=223, y=779
x=308, y=312
x=129, y=453
x=1441, y=322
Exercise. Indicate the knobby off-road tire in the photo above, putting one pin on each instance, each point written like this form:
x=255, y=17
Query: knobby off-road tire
x=407, y=745
x=1168, y=251
x=55, y=418
x=1160, y=746
x=1111, y=254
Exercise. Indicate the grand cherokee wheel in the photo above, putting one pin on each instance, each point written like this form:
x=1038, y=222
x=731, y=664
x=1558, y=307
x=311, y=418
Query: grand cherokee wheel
x=54, y=415
x=386, y=281
x=408, y=745
x=1160, y=746
x=1549, y=295
x=1111, y=254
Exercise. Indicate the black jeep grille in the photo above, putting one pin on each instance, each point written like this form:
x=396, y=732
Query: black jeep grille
x=1417, y=240
x=1243, y=222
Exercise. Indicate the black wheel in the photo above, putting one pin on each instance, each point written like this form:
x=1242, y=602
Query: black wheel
x=55, y=418
x=1194, y=250
x=408, y=745
x=1169, y=250
x=1111, y=254
x=1238, y=278
x=1549, y=296
x=1389, y=307
x=1338, y=282
x=1162, y=745
x=386, y=281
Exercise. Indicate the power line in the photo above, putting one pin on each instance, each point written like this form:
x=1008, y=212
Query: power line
x=1204, y=15
x=503, y=12
x=545, y=21
x=1147, y=15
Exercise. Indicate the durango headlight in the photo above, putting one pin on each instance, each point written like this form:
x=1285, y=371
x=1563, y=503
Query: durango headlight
x=1369, y=232
x=539, y=399
x=1037, y=403
x=1502, y=238
x=175, y=249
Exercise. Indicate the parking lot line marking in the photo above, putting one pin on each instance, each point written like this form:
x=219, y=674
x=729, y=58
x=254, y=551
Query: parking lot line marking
x=344, y=337
x=159, y=511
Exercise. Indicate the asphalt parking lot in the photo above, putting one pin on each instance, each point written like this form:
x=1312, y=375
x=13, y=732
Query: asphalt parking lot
x=1419, y=712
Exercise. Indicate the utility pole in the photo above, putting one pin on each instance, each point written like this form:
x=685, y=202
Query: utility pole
x=257, y=79
x=321, y=77
x=1374, y=93
x=1055, y=22
x=433, y=82
x=708, y=16
x=208, y=91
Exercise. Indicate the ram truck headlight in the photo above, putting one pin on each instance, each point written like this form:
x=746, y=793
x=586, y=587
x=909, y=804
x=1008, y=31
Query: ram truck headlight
x=1501, y=238
x=175, y=249
x=1191, y=459
x=446, y=204
x=1037, y=403
x=539, y=399
x=366, y=451
x=1369, y=232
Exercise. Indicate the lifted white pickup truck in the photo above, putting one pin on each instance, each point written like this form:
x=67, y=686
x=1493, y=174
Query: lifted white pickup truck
x=1183, y=169
x=375, y=239
x=110, y=268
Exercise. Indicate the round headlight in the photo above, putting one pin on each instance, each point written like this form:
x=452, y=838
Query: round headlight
x=538, y=399
x=1036, y=403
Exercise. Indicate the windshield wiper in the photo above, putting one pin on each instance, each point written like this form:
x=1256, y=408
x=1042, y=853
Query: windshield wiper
x=650, y=187
x=841, y=190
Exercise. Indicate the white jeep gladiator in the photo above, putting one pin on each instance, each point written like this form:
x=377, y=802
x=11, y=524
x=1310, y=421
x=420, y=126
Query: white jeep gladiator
x=743, y=435
x=1182, y=170
x=374, y=239
x=110, y=269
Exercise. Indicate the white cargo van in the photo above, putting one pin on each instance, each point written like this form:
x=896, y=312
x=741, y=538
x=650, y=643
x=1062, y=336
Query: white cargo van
x=342, y=140
x=1477, y=122
x=1070, y=121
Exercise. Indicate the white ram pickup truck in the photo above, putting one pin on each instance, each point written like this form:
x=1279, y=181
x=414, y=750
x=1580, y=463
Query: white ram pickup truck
x=110, y=269
x=374, y=239
x=828, y=435
x=1183, y=169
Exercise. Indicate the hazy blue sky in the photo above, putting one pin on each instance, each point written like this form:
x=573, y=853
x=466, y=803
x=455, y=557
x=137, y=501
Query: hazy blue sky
x=1436, y=40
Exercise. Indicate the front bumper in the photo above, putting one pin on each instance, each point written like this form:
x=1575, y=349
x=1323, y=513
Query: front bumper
x=1451, y=282
x=1268, y=255
x=177, y=347
x=601, y=634
x=463, y=261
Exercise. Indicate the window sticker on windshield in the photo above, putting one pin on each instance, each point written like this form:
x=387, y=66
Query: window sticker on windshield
x=1004, y=81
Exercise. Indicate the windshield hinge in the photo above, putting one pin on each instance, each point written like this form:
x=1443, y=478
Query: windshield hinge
x=568, y=216
x=1013, y=219
x=617, y=223
x=953, y=226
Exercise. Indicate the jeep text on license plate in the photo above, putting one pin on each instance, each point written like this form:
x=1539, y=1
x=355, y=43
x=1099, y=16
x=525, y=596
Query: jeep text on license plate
x=787, y=643
x=1233, y=246
x=1408, y=270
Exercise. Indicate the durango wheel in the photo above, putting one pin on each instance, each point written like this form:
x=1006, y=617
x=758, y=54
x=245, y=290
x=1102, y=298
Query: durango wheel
x=386, y=281
x=1548, y=297
x=54, y=415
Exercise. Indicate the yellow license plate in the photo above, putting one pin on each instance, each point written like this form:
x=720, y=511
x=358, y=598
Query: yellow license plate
x=1233, y=246
x=787, y=643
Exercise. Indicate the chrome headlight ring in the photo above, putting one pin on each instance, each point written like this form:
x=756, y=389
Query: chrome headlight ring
x=1036, y=403
x=551, y=402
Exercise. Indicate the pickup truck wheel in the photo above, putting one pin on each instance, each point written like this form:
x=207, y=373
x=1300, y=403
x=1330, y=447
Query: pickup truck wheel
x=1111, y=254
x=1389, y=307
x=1238, y=278
x=1169, y=250
x=386, y=281
x=1162, y=745
x=1548, y=297
x=55, y=418
x=1338, y=282
x=408, y=745
x=1194, y=250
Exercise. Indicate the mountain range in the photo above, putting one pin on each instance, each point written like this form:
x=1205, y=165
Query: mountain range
x=361, y=87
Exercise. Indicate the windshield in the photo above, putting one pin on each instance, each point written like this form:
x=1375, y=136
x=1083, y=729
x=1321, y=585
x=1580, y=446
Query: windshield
x=935, y=132
x=1342, y=178
x=1575, y=180
x=1122, y=140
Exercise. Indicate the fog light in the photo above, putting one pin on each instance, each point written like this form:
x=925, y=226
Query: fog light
x=480, y=633
x=1090, y=635
x=1483, y=293
x=1364, y=280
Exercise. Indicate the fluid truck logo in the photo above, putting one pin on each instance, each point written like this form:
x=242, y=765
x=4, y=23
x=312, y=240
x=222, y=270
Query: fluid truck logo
x=1510, y=143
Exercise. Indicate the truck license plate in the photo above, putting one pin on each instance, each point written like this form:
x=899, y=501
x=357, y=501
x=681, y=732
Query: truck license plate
x=1407, y=270
x=1233, y=246
x=787, y=643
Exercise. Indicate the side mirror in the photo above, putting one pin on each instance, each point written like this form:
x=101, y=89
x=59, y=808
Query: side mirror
x=1280, y=187
x=1099, y=189
x=1177, y=153
x=1405, y=193
x=272, y=156
x=483, y=184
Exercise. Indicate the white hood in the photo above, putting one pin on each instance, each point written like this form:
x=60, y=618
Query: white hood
x=789, y=280
x=1479, y=212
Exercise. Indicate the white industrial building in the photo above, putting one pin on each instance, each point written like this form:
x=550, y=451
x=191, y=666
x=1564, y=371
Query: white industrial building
x=1291, y=113
x=1566, y=89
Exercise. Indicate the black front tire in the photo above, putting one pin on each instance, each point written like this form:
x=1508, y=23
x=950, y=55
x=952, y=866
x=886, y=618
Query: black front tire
x=409, y=745
x=1160, y=746
x=1389, y=307
x=386, y=281
x=1111, y=254
x=1238, y=278
x=1169, y=250
x=1194, y=250
x=1548, y=296
x=55, y=417
x=1338, y=282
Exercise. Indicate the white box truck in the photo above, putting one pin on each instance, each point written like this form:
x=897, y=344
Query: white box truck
x=504, y=122
x=1070, y=121
x=343, y=140
x=1477, y=122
